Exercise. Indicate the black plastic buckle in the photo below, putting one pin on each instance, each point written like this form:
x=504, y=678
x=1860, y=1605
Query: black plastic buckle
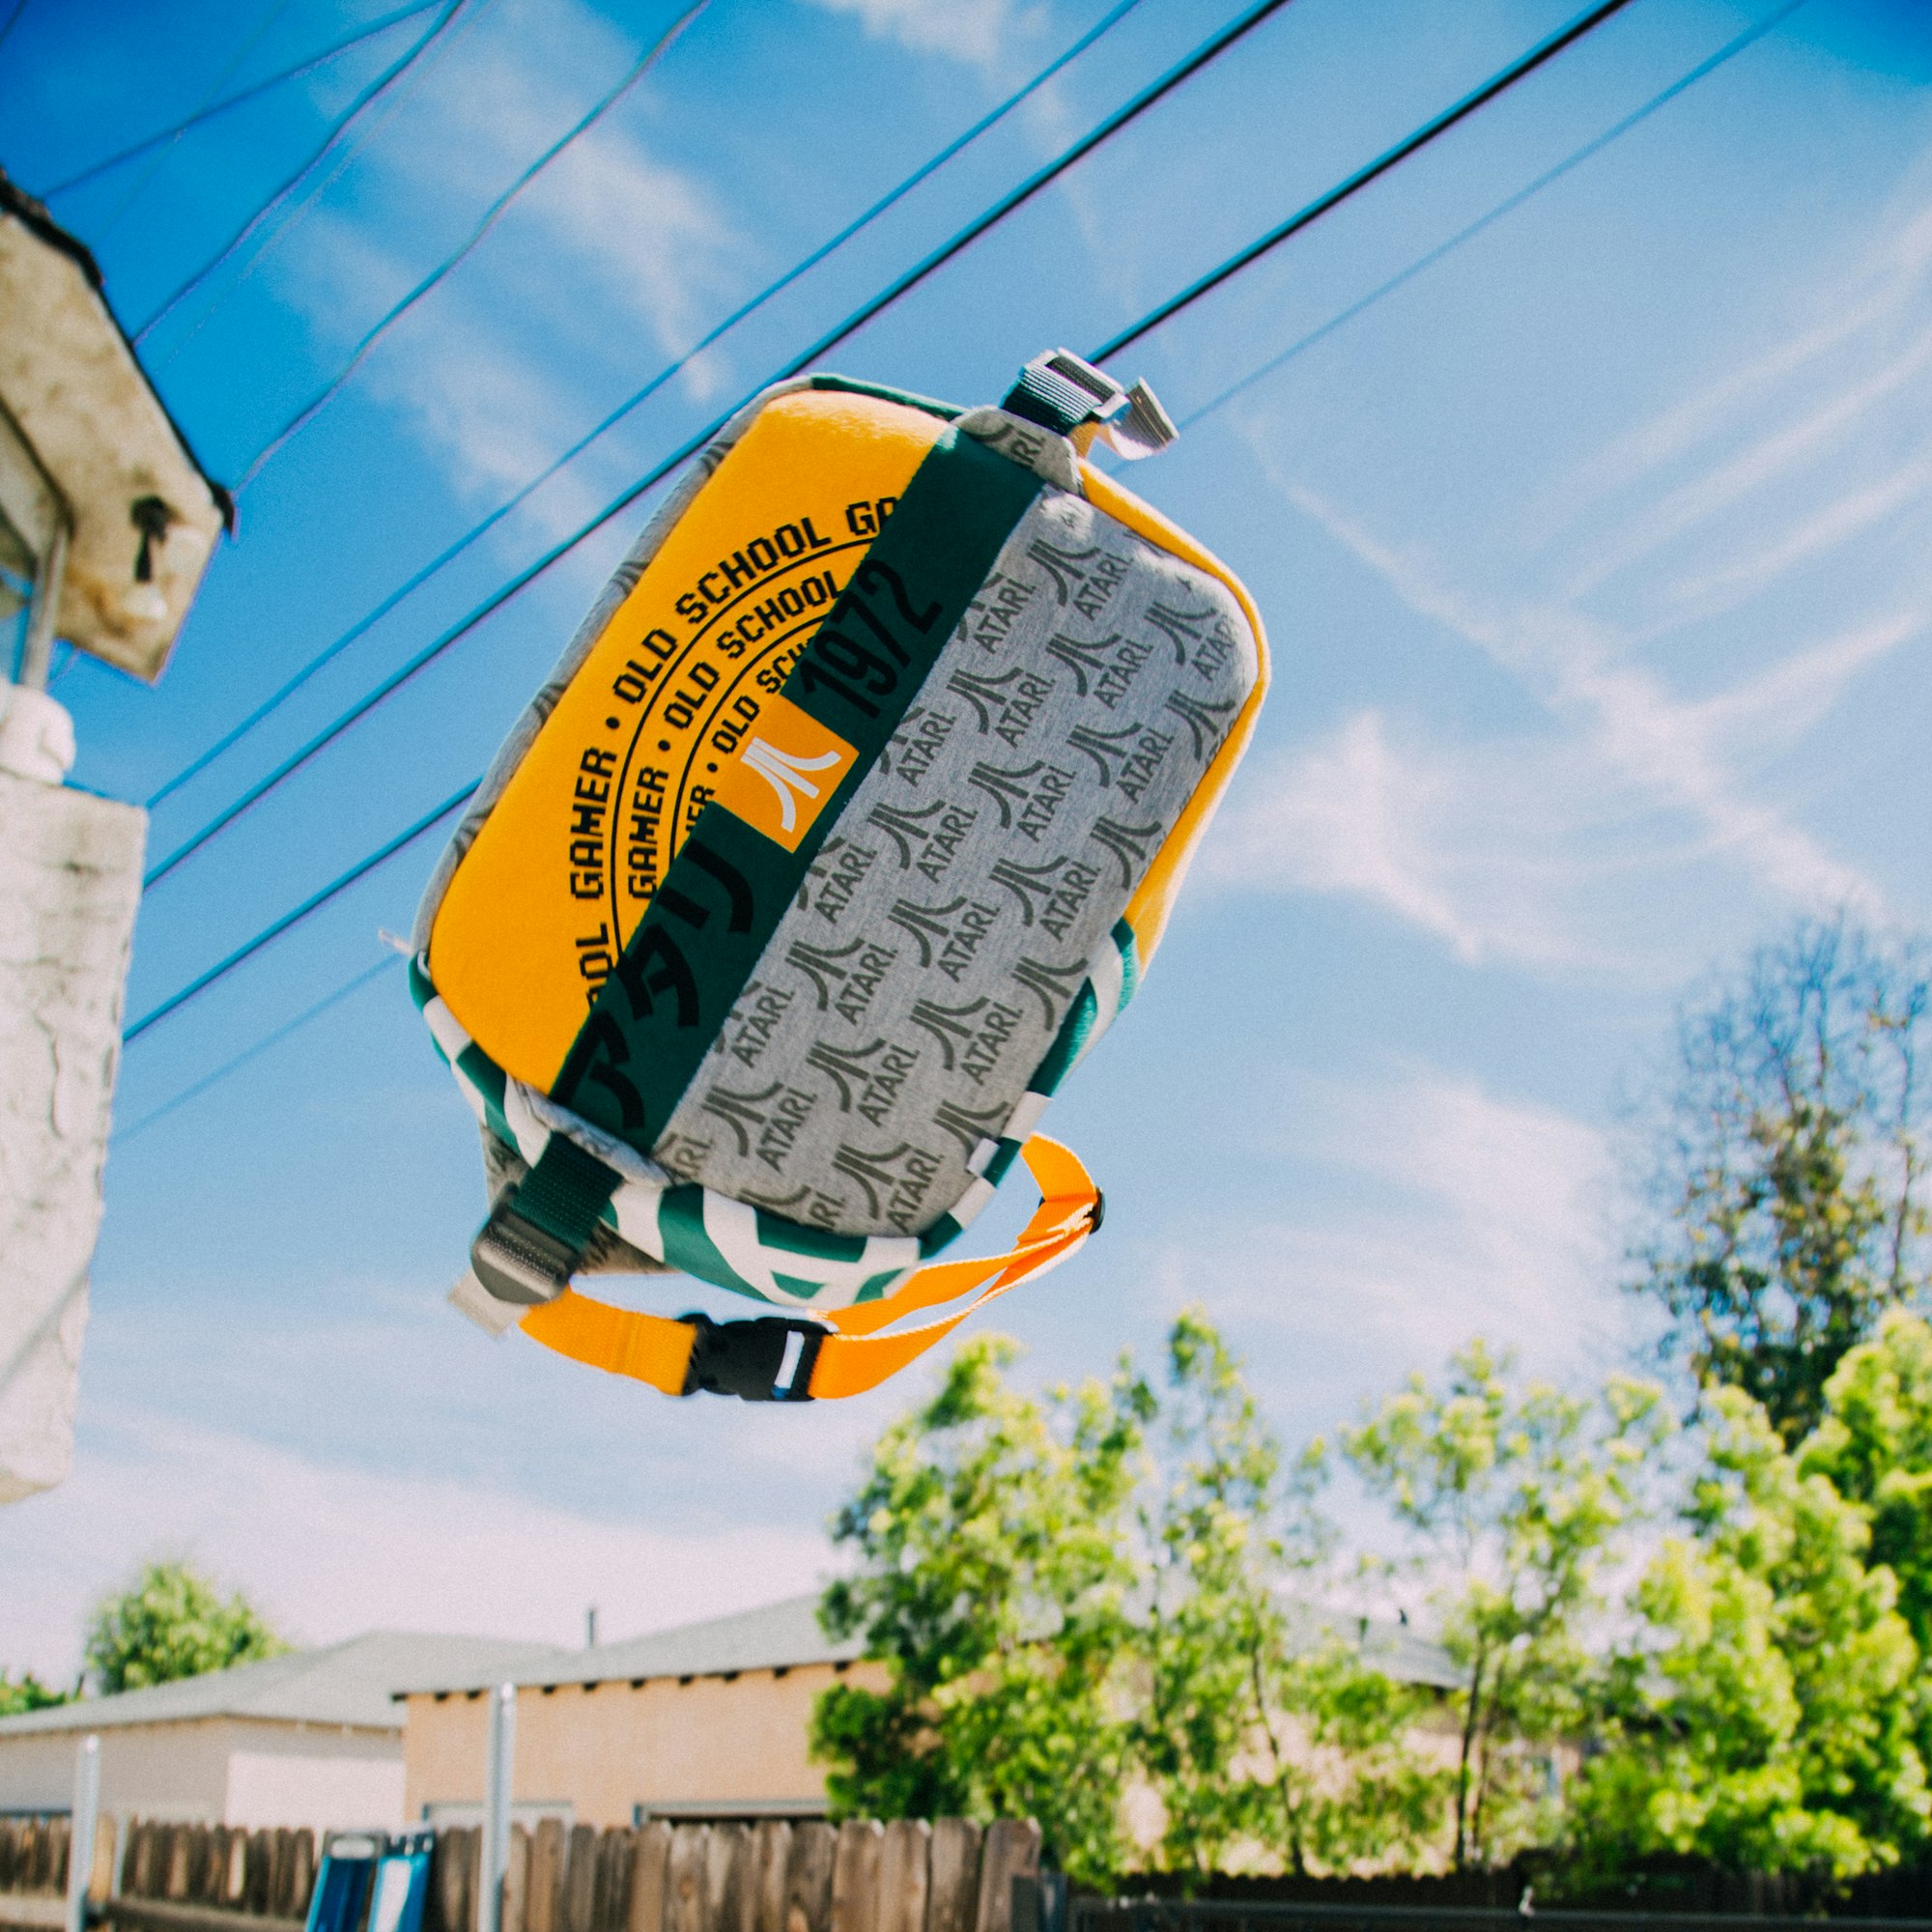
x=517, y=1262
x=749, y=1358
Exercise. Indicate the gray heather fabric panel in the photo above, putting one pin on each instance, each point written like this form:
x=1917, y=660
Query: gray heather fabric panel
x=903, y=1003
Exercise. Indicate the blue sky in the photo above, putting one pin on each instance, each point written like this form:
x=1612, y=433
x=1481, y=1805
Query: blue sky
x=1593, y=555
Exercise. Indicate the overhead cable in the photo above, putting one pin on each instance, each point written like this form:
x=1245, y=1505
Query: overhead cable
x=1508, y=206
x=1154, y=317
x=240, y=97
x=449, y=265
x=1390, y=158
x=314, y=903
x=276, y=8
x=195, y=1089
x=1219, y=44
x=771, y=289
x=372, y=93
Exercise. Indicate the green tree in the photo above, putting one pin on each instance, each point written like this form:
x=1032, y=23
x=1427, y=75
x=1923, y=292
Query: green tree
x=1513, y=1504
x=1256, y=1730
x=1786, y=1168
x=26, y=1692
x=1875, y=1447
x=993, y=1538
x=1763, y=1719
x=172, y=1622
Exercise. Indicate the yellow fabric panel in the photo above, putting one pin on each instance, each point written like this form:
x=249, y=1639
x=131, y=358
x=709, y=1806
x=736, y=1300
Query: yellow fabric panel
x=1147, y=910
x=540, y=909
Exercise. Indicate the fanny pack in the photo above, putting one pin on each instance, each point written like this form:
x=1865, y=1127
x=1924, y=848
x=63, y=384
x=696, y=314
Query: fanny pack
x=846, y=824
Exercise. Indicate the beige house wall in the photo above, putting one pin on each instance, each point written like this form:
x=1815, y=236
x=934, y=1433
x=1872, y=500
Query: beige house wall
x=217, y=1771
x=607, y=1747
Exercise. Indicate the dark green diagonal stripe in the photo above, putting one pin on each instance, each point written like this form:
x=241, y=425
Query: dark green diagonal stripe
x=725, y=893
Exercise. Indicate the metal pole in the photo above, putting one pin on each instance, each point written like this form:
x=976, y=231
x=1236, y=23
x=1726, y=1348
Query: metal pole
x=80, y=1838
x=42, y=612
x=496, y=1792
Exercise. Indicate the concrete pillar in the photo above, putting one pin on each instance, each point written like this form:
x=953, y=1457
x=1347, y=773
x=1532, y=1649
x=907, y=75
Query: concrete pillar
x=70, y=882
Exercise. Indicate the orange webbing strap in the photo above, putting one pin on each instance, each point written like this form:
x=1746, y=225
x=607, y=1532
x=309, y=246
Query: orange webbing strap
x=648, y=1347
x=656, y=1349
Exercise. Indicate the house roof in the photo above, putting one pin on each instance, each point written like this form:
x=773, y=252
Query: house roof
x=776, y=1637
x=105, y=446
x=1395, y=1648
x=351, y=1683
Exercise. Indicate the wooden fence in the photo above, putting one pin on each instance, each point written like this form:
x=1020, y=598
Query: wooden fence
x=861, y=1876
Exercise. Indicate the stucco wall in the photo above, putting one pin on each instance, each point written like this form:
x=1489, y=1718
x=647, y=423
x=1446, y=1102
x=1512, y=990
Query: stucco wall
x=218, y=1771
x=615, y=1746
x=70, y=880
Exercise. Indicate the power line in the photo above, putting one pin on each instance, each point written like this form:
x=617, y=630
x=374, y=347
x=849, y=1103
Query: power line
x=1165, y=312
x=11, y=20
x=372, y=93
x=1216, y=44
x=1507, y=206
x=770, y=292
x=449, y=265
x=237, y=99
x=276, y=8
x=314, y=903
x=261, y=1046
x=1390, y=158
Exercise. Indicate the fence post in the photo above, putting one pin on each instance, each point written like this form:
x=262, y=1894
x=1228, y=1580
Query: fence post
x=1012, y=1851
x=855, y=1876
x=905, y=1875
x=769, y=1862
x=649, y=1875
x=809, y=1879
x=80, y=1843
x=497, y=1792
x=953, y=1891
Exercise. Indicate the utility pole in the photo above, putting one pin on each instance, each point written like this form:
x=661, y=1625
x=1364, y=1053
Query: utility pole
x=500, y=1783
x=106, y=522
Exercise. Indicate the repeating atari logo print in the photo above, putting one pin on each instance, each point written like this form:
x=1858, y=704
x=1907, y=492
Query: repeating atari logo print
x=895, y=1181
x=971, y=1037
x=1127, y=760
x=1205, y=722
x=971, y=1127
x=1131, y=845
x=785, y=772
x=765, y=1125
x=1026, y=796
x=928, y=839
x=912, y=749
x=868, y=1078
x=1051, y=895
x=947, y=924
x=846, y=980
x=1053, y=986
x=1005, y=705
x=948, y=937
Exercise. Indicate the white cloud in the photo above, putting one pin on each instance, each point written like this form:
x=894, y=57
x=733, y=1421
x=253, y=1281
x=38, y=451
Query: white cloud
x=494, y=372
x=972, y=31
x=1623, y=726
x=1482, y=1215
x=1478, y=844
x=332, y=1550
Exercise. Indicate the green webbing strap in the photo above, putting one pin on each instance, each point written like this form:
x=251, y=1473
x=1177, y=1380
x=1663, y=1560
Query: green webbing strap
x=535, y=1237
x=565, y=1191
x=723, y=894
x=1060, y=392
